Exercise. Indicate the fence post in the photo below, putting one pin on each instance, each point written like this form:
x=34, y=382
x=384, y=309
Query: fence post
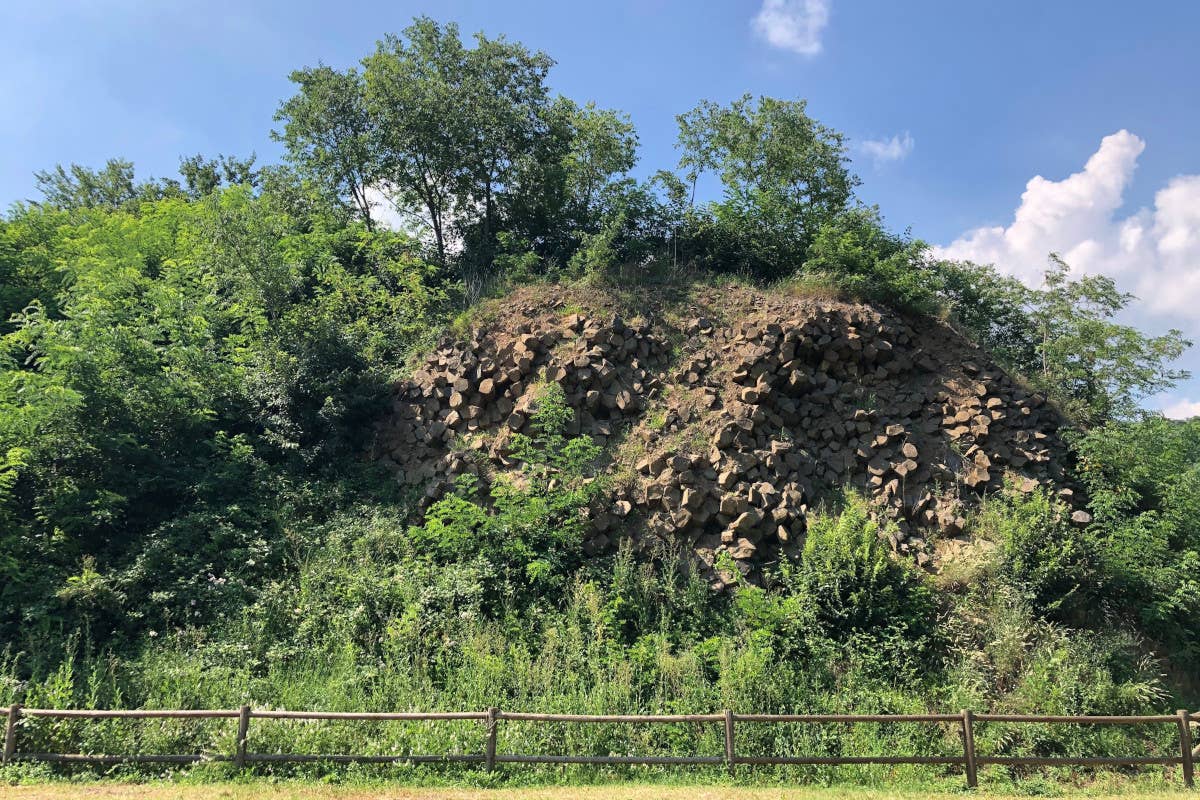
x=968, y=736
x=10, y=733
x=1185, y=746
x=729, y=762
x=242, y=734
x=1194, y=721
x=493, y=717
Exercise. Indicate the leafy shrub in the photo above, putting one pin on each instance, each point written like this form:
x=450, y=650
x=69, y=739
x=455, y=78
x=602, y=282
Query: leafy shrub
x=846, y=589
x=1143, y=479
x=529, y=529
x=1042, y=554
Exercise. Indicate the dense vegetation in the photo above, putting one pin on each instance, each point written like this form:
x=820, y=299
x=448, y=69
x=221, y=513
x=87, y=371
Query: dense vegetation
x=189, y=370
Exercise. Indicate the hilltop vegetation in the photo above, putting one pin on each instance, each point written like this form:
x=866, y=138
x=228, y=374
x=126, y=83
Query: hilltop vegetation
x=192, y=371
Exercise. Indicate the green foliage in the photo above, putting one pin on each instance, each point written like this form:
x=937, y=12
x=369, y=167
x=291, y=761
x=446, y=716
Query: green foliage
x=1051, y=561
x=28, y=243
x=1099, y=369
x=194, y=360
x=784, y=176
x=1002, y=655
x=859, y=593
x=370, y=623
x=991, y=308
x=549, y=450
x=1143, y=479
x=191, y=371
x=598, y=255
x=868, y=262
x=330, y=137
x=1062, y=338
x=78, y=187
x=527, y=534
x=203, y=176
x=570, y=186
x=455, y=123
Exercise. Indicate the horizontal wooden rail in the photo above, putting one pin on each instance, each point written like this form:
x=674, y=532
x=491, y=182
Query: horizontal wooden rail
x=150, y=713
x=136, y=758
x=1050, y=761
x=634, y=760
x=491, y=718
x=835, y=760
x=627, y=719
x=1152, y=720
x=449, y=758
x=850, y=718
x=378, y=716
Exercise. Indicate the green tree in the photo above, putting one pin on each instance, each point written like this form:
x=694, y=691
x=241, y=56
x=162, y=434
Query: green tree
x=330, y=136
x=865, y=260
x=199, y=361
x=992, y=309
x=202, y=176
x=455, y=123
x=784, y=176
x=29, y=271
x=573, y=182
x=1098, y=369
x=78, y=187
x=1143, y=481
x=603, y=146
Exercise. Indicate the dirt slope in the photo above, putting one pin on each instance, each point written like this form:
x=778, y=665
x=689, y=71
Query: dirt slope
x=728, y=412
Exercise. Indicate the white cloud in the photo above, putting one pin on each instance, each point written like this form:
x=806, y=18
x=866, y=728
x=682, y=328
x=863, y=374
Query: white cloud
x=882, y=151
x=794, y=25
x=1153, y=252
x=388, y=214
x=1182, y=409
x=384, y=212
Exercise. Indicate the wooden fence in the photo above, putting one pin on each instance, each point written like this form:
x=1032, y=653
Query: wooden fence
x=970, y=760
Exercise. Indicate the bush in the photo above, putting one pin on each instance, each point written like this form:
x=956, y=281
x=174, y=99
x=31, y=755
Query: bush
x=528, y=529
x=1144, y=482
x=1049, y=560
x=846, y=589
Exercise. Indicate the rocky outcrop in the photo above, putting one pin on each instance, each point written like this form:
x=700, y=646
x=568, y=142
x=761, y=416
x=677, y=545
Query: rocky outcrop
x=736, y=411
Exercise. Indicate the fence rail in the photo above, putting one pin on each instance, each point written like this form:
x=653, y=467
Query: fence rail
x=965, y=721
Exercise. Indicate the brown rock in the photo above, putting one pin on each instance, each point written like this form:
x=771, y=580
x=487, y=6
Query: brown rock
x=747, y=521
x=732, y=505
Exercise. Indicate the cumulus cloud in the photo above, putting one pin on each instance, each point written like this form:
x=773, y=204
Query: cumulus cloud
x=794, y=25
x=1181, y=409
x=1153, y=252
x=882, y=151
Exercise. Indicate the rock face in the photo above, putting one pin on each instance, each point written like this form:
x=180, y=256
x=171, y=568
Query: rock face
x=736, y=410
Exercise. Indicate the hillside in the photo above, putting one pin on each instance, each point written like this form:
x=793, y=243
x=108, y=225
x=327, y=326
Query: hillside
x=725, y=414
x=569, y=440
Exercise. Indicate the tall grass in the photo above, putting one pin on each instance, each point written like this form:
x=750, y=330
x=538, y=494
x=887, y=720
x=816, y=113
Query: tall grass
x=365, y=627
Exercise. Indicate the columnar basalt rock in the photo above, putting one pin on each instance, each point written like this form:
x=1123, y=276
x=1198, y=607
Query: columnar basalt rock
x=741, y=416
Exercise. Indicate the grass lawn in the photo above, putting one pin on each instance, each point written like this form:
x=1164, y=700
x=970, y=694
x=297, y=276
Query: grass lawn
x=303, y=791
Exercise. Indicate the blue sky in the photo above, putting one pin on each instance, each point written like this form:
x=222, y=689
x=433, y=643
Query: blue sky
x=951, y=108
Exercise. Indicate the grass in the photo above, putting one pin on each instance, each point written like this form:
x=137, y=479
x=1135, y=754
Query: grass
x=261, y=790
